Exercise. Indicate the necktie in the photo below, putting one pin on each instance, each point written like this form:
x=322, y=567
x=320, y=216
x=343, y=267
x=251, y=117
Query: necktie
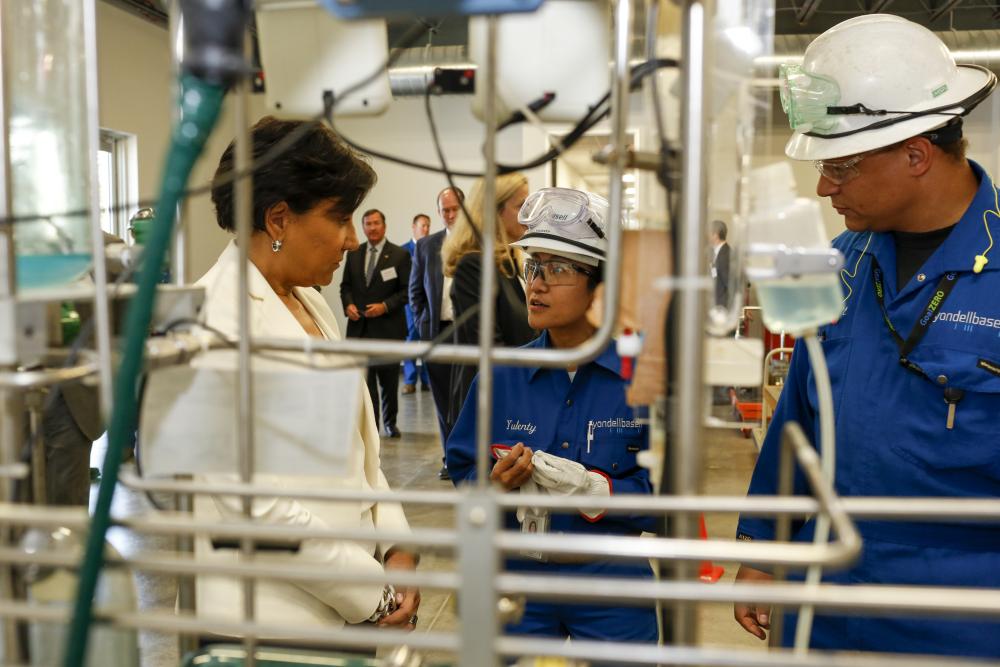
x=370, y=271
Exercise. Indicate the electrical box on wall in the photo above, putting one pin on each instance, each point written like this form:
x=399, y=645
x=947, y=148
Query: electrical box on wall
x=305, y=52
x=562, y=51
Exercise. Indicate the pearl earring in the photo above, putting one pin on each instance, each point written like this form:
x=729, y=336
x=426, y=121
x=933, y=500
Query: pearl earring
x=275, y=246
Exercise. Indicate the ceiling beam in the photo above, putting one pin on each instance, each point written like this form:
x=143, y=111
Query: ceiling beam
x=806, y=11
x=943, y=8
x=878, y=6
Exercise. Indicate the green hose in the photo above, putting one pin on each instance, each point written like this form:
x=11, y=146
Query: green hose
x=200, y=104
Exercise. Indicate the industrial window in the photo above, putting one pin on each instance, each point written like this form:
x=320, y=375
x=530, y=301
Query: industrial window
x=113, y=178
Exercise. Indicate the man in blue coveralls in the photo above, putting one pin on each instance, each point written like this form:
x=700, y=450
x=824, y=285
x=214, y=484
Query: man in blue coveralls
x=914, y=358
x=564, y=431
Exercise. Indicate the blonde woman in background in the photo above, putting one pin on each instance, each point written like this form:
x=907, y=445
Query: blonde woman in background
x=462, y=260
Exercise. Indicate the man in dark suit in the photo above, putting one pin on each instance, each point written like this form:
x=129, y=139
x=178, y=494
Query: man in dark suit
x=430, y=300
x=720, y=262
x=421, y=227
x=373, y=292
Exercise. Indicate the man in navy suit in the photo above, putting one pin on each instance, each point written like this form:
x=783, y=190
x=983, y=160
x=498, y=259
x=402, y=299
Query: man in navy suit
x=421, y=228
x=373, y=292
x=430, y=300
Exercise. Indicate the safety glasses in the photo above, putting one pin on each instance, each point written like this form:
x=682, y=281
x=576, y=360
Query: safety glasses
x=554, y=272
x=846, y=170
x=567, y=210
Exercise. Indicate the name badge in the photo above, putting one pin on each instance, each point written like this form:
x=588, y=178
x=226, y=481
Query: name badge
x=388, y=274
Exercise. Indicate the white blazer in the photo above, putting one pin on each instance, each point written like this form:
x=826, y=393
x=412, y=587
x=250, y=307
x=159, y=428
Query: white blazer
x=311, y=603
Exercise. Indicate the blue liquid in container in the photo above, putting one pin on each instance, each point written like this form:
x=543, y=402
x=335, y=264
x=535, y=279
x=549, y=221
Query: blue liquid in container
x=39, y=271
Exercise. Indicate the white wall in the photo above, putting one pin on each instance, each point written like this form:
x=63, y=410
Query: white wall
x=136, y=92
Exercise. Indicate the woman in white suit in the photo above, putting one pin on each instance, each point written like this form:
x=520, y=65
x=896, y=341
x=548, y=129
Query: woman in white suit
x=302, y=227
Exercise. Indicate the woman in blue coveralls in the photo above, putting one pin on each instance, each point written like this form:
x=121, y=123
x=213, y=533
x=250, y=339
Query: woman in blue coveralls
x=914, y=357
x=566, y=431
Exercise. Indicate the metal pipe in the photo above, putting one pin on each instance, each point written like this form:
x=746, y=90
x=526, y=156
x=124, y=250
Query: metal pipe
x=244, y=416
x=35, y=401
x=8, y=258
x=637, y=654
x=487, y=285
x=11, y=433
x=584, y=547
x=269, y=569
x=132, y=481
x=45, y=377
x=860, y=600
x=199, y=625
x=479, y=563
x=690, y=308
x=102, y=309
x=972, y=510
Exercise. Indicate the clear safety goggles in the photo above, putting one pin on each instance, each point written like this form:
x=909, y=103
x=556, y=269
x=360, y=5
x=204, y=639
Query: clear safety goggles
x=567, y=210
x=554, y=272
x=806, y=98
x=846, y=170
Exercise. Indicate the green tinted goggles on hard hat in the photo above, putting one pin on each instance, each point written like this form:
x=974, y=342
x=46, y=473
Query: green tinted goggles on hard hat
x=811, y=102
x=806, y=98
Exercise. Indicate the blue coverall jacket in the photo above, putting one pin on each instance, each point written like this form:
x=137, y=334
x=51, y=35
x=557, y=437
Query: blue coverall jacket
x=892, y=438
x=588, y=421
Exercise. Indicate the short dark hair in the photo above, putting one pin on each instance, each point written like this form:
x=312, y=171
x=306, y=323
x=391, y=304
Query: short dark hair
x=418, y=216
x=719, y=229
x=373, y=211
x=955, y=149
x=317, y=166
x=458, y=193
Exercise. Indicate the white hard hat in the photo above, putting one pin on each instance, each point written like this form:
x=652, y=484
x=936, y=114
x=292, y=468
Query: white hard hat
x=873, y=81
x=565, y=222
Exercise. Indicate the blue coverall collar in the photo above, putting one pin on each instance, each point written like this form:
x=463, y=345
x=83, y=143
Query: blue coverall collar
x=958, y=251
x=608, y=359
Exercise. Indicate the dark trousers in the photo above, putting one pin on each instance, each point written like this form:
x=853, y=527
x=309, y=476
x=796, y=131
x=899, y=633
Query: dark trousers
x=440, y=377
x=386, y=377
x=67, y=456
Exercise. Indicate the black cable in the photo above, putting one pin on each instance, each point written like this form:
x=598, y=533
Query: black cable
x=596, y=114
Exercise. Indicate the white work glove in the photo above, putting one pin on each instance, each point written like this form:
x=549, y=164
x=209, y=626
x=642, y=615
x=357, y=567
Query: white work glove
x=564, y=477
x=529, y=487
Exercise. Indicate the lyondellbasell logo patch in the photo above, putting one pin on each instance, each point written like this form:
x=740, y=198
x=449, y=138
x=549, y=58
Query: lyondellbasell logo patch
x=989, y=366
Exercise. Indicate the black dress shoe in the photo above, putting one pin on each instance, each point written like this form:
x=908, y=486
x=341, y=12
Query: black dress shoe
x=443, y=473
x=425, y=387
x=392, y=432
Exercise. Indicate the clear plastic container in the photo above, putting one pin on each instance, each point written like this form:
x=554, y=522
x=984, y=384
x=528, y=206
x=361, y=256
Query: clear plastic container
x=793, y=304
x=50, y=169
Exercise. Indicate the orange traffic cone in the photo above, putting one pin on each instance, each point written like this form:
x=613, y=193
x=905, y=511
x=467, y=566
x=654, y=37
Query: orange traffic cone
x=708, y=572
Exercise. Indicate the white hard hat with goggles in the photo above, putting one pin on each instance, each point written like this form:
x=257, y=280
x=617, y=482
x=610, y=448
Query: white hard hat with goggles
x=874, y=81
x=565, y=222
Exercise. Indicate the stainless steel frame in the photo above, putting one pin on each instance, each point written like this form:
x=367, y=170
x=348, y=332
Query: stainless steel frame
x=478, y=541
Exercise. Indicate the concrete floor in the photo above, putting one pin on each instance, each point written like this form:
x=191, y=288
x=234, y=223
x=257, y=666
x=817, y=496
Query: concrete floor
x=412, y=462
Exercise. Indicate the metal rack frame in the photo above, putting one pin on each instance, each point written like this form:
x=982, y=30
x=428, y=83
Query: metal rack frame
x=478, y=540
